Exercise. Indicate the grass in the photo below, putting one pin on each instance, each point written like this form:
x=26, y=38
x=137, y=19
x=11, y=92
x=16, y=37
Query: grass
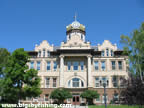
x=114, y=106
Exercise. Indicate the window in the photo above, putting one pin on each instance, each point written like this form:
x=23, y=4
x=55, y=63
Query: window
x=122, y=81
x=120, y=65
x=115, y=81
x=48, y=54
x=105, y=80
x=31, y=65
x=107, y=52
x=75, y=65
x=54, y=82
x=112, y=53
x=102, y=53
x=38, y=65
x=75, y=82
x=81, y=37
x=55, y=66
x=39, y=54
x=103, y=65
x=98, y=99
x=69, y=65
x=48, y=65
x=47, y=82
x=46, y=97
x=103, y=98
x=43, y=52
x=82, y=65
x=115, y=97
x=96, y=65
x=113, y=65
x=69, y=83
x=82, y=84
x=97, y=82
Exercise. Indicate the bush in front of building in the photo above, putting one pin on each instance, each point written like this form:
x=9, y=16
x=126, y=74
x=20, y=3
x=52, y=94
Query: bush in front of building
x=60, y=95
x=89, y=95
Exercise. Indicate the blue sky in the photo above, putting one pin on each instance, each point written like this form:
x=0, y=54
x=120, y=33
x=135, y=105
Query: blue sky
x=24, y=23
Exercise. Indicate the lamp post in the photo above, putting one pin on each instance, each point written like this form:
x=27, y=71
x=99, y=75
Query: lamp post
x=105, y=99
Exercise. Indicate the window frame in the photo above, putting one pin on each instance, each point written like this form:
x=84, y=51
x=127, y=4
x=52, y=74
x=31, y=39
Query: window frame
x=38, y=65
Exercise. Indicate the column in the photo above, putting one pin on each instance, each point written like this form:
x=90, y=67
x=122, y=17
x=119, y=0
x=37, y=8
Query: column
x=110, y=82
x=89, y=71
x=61, y=71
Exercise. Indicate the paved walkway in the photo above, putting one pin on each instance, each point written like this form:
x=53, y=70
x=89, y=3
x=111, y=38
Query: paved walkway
x=77, y=106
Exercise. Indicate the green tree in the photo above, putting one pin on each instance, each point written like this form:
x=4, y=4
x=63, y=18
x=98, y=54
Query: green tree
x=19, y=81
x=4, y=55
x=60, y=95
x=89, y=95
x=134, y=47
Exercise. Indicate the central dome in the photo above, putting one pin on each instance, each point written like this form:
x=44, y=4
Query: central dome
x=75, y=26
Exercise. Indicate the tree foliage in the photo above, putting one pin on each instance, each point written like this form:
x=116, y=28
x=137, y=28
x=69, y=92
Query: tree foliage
x=133, y=94
x=4, y=55
x=134, y=46
x=60, y=95
x=19, y=81
x=90, y=95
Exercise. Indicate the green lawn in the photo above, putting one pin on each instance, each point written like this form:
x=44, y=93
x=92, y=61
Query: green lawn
x=113, y=106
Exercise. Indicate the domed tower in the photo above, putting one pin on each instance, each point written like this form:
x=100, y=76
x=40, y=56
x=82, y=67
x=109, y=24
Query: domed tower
x=75, y=29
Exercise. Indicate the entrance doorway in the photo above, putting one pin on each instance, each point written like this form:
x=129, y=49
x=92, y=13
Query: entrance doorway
x=76, y=100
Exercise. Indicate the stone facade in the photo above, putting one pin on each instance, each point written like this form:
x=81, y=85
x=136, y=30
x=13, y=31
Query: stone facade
x=78, y=66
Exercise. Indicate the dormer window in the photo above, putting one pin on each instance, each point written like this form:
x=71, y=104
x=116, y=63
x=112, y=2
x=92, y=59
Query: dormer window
x=39, y=54
x=102, y=53
x=43, y=52
x=107, y=52
x=81, y=37
x=112, y=53
x=48, y=53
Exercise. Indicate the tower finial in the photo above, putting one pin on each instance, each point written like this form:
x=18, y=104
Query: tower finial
x=75, y=17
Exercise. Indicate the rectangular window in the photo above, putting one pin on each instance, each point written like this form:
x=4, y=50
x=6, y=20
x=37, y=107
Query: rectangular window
x=39, y=54
x=55, y=66
x=48, y=65
x=115, y=81
x=82, y=65
x=75, y=82
x=43, y=52
x=98, y=99
x=46, y=97
x=47, y=82
x=102, y=53
x=120, y=65
x=38, y=65
x=104, y=80
x=48, y=53
x=54, y=82
x=96, y=65
x=97, y=82
x=113, y=65
x=107, y=52
x=103, y=65
x=31, y=65
x=75, y=65
x=111, y=52
x=69, y=65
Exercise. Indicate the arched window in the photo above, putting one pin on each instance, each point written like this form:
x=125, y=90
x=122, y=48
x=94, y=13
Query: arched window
x=75, y=82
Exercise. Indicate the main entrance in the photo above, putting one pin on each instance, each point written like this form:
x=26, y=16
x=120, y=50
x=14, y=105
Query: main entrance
x=76, y=100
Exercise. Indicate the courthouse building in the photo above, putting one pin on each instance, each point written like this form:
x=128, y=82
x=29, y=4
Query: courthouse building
x=78, y=66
